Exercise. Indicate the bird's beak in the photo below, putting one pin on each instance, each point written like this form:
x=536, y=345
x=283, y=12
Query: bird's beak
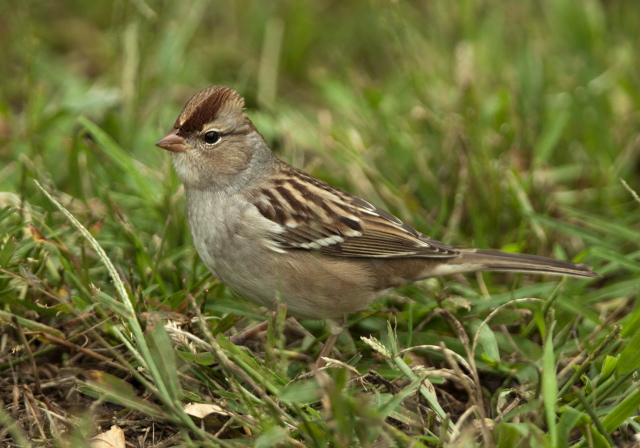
x=172, y=142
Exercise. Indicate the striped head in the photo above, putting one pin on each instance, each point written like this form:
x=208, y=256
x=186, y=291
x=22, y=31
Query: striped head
x=214, y=144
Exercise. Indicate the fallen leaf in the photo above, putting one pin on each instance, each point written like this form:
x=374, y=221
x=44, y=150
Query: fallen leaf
x=114, y=438
x=201, y=410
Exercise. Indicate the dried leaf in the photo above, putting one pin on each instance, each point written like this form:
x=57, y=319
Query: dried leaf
x=113, y=438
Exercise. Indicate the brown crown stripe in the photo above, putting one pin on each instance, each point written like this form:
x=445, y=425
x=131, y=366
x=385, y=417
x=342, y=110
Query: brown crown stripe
x=203, y=107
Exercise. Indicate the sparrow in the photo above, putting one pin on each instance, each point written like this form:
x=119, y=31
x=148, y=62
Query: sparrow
x=274, y=233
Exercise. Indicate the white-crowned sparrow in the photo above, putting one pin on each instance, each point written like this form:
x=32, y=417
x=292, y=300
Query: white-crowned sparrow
x=273, y=232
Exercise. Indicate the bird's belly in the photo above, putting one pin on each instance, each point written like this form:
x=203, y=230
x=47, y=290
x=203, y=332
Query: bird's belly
x=226, y=258
x=310, y=289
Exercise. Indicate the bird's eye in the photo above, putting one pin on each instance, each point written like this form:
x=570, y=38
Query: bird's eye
x=212, y=137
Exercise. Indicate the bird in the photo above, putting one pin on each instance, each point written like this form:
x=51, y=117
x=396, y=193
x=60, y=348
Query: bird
x=276, y=234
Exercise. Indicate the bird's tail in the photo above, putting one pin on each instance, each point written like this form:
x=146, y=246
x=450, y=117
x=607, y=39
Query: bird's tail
x=495, y=260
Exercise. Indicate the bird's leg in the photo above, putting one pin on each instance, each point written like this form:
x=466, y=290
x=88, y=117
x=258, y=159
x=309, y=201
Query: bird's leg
x=250, y=332
x=335, y=328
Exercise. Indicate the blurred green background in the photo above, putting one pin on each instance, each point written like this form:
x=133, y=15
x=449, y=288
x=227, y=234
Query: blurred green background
x=463, y=117
x=503, y=124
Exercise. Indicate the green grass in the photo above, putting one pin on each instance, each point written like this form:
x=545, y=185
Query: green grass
x=491, y=124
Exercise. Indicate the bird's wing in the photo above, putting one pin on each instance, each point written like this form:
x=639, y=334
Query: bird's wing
x=313, y=215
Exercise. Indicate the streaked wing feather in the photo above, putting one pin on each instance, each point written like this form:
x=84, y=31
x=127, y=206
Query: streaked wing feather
x=316, y=215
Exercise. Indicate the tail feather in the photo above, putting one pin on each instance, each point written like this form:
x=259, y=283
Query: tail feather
x=495, y=260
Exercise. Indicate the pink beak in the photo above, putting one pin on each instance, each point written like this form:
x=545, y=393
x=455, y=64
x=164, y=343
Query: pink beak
x=172, y=142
